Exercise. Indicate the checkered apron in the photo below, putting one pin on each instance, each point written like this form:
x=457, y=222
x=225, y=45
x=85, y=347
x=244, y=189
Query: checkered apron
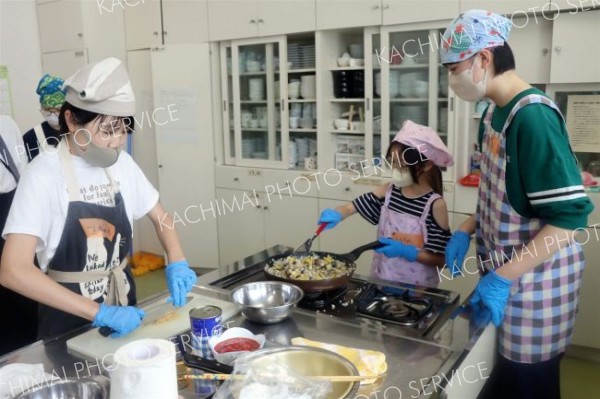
x=538, y=320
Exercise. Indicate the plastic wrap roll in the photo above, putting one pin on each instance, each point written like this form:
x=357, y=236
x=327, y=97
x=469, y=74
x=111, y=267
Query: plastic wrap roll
x=144, y=369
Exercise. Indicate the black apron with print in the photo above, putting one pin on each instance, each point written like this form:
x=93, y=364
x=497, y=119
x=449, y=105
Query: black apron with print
x=90, y=240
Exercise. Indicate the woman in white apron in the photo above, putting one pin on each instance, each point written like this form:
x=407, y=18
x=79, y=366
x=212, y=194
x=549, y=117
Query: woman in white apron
x=410, y=213
x=75, y=207
x=530, y=198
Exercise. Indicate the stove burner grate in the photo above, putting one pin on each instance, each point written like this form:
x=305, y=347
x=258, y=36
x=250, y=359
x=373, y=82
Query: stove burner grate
x=400, y=308
x=321, y=300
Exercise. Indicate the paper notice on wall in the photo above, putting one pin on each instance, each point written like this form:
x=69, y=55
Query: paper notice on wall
x=583, y=122
x=5, y=97
x=181, y=105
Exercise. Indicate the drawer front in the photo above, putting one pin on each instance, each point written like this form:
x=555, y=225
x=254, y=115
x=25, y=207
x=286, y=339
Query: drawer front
x=239, y=178
x=283, y=183
x=346, y=188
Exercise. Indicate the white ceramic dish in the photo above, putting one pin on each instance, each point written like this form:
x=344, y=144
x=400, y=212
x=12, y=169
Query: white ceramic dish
x=234, y=332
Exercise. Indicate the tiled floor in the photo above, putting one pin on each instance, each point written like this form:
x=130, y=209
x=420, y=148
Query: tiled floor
x=580, y=379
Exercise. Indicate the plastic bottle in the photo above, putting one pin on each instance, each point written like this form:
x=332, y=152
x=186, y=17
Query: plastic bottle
x=475, y=165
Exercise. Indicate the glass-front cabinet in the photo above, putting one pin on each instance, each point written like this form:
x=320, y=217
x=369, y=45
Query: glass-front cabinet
x=269, y=101
x=411, y=83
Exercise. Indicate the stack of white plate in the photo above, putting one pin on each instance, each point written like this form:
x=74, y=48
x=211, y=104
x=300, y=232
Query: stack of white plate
x=256, y=89
x=301, y=55
x=402, y=112
x=312, y=147
x=394, y=83
x=247, y=148
x=405, y=85
x=292, y=154
x=302, y=150
x=308, y=87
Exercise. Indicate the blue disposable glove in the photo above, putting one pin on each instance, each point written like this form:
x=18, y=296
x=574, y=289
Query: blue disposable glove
x=492, y=292
x=331, y=217
x=394, y=248
x=122, y=319
x=456, y=249
x=180, y=280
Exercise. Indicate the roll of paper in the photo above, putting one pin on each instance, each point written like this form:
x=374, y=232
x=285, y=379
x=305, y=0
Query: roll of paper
x=144, y=369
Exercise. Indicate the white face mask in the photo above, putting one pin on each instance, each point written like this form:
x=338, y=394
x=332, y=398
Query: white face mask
x=52, y=120
x=464, y=87
x=401, y=177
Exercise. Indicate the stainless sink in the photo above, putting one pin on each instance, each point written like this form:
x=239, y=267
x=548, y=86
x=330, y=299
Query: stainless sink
x=83, y=388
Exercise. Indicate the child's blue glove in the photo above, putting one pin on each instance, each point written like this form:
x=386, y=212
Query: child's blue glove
x=331, y=217
x=180, y=280
x=456, y=249
x=394, y=248
x=492, y=292
x=122, y=319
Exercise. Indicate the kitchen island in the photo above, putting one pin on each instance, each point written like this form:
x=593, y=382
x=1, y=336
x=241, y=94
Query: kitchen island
x=452, y=362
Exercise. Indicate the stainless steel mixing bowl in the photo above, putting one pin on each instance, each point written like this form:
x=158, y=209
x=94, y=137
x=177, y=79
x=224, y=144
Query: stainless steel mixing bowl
x=83, y=388
x=267, y=302
x=308, y=361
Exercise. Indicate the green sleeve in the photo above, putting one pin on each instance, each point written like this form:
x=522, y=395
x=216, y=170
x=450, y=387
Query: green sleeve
x=547, y=167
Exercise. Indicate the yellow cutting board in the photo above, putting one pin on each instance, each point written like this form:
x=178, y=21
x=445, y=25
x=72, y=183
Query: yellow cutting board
x=94, y=345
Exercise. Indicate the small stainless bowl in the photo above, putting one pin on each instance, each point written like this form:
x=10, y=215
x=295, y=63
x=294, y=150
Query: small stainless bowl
x=267, y=302
x=84, y=388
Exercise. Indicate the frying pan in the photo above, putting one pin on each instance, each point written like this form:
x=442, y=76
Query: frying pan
x=329, y=284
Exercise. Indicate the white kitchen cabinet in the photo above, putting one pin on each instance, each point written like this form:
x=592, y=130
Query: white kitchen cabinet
x=289, y=220
x=143, y=142
x=70, y=35
x=184, y=146
x=573, y=38
x=241, y=230
x=348, y=235
x=143, y=25
x=408, y=11
x=518, y=8
x=531, y=44
x=64, y=63
x=336, y=14
x=98, y=32
x=237, y=19
x=156, y=22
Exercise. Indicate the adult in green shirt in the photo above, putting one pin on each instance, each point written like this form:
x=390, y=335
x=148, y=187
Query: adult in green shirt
x=531, y=201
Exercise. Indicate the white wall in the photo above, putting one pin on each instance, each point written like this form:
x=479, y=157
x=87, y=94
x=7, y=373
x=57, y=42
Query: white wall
x=20, y=51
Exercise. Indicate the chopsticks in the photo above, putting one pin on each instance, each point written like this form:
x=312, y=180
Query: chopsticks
x=332, y=378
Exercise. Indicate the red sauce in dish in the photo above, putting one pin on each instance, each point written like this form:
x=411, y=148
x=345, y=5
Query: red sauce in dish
x=236, y=345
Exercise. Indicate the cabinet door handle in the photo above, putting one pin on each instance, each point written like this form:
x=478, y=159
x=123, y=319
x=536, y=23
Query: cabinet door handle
x=545, y=50
x=258, y=207
x=558, y=49
x=261, y=21
x=236, y=179
x=347, y=189
x=451, y=104
x=283, y=107
x=160, y=165
x=252, y=21
x=165, y=32
x=386, y=6
x=368, y=106
x=266, y=208
x=375, y=7
x=155, y=33
x=224, y=105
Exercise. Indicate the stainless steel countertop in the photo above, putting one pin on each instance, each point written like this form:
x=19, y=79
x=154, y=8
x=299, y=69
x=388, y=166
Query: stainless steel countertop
x=411, y=361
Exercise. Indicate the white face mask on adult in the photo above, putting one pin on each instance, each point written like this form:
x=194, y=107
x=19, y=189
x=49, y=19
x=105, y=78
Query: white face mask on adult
x=464, y=87
x=401, y=177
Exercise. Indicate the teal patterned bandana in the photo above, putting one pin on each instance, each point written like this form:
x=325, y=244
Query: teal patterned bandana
x=49, y=90
x=471, y=32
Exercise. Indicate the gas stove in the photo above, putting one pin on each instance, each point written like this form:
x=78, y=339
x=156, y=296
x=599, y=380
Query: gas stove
x=416, y=310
